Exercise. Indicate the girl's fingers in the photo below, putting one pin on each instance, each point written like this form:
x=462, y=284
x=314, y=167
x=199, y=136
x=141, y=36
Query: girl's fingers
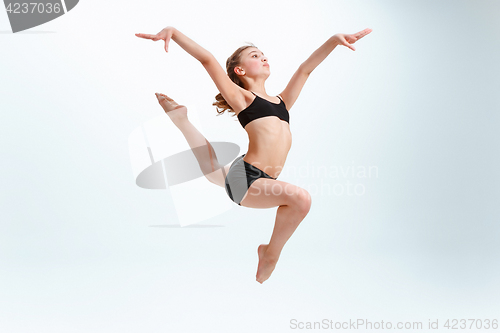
x=357, y=36
x=346, y=43
x=167, y=40
x=349, y=46
x=147, y=36
x=363, y=33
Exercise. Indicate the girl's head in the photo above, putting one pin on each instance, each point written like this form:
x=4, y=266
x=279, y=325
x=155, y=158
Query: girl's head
x=251, y=65
x=245, y=64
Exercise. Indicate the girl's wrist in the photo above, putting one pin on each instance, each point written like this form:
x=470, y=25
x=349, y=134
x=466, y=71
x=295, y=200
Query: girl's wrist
x=335, y=39
x=169, y=28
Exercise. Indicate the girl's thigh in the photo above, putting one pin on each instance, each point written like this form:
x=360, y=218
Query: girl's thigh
x=218, y=177
x=268, y=193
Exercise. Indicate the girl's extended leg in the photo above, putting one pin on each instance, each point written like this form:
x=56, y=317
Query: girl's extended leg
x=293, y=205
x=200, y=146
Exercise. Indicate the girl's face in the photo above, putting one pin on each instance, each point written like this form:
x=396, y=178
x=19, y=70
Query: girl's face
x=254, y=63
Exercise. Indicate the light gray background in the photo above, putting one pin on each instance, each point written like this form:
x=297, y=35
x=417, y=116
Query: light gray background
x=80, y=246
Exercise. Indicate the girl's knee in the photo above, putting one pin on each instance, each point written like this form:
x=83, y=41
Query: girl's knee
x=306, y=201
x=302, y=200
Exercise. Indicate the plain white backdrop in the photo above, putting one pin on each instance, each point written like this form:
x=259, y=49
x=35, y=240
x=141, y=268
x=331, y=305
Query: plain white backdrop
x=82, y=248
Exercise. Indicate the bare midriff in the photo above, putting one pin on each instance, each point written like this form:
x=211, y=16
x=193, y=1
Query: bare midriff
x=270, y=140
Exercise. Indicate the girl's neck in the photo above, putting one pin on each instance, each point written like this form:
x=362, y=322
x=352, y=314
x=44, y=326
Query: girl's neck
x=257, y=87
x=258, y=90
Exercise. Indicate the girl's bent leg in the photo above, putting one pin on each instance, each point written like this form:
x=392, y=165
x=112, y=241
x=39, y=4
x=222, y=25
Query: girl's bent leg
x=293, y=205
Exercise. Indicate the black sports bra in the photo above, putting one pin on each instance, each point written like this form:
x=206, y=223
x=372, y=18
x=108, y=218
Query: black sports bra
x=261, y=107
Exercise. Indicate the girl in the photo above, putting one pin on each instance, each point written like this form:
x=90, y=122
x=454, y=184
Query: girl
x=251, y=180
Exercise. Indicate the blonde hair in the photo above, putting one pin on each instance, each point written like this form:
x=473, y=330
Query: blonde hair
x=233, y=61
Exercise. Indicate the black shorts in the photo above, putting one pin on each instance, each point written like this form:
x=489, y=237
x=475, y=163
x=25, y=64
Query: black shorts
x=239, y=178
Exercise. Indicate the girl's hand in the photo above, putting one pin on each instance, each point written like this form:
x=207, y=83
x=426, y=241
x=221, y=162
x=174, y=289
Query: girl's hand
x=165, y=34
x=347, y=40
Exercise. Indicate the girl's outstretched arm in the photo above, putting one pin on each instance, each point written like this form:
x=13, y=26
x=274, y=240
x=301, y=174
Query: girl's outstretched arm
x=231, y=92
x=170, y=33
x=339, y=39
x=292, y=90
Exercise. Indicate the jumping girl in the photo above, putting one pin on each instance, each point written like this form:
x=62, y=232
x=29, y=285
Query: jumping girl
x=251, y=180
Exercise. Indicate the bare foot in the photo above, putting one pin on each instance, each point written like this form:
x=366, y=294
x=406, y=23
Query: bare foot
x=175, y=111
x=266, y=265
